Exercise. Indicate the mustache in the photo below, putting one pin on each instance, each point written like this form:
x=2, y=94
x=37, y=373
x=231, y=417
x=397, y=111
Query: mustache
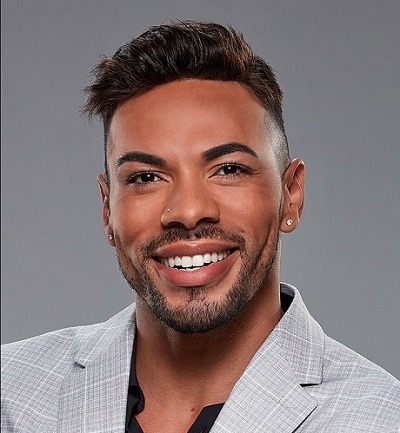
x=205, y=231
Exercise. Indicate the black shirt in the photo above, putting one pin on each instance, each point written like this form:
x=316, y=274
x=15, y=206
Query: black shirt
x=136, y=402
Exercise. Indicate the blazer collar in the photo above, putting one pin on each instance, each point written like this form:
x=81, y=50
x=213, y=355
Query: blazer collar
x=94, y=394
x=270, y=395
x=299, y=339
x=95, y=340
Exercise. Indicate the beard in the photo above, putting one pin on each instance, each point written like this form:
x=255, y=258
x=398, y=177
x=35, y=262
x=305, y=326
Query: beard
x=200, y=315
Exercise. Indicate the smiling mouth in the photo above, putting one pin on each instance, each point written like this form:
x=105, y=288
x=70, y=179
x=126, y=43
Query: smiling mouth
x=194, y=263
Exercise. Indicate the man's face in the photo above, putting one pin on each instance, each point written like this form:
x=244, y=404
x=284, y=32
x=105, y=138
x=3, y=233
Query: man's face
x=194, y=200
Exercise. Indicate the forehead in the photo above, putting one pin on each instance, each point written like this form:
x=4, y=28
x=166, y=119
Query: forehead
x=188, y=113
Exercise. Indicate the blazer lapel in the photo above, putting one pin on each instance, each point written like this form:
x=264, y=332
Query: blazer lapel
x=266, y=399
x=93, y=396
x=271, y=395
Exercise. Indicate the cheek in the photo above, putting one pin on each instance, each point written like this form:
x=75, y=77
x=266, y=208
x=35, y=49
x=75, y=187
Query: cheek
x=254, y=213
x=133, y=223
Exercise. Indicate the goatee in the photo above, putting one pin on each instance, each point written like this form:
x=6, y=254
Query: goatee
x=198, y=314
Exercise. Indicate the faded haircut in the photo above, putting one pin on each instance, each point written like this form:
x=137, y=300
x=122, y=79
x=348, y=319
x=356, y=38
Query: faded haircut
x=186, y=50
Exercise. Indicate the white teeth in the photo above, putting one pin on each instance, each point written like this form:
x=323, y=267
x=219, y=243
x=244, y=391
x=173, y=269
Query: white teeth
x=198, y=260
x=186, y=262
x=195, y=262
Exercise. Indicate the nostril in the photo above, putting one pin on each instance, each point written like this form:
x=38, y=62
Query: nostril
x=190, y=216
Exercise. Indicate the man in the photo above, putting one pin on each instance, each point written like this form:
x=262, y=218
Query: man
x=197, y=189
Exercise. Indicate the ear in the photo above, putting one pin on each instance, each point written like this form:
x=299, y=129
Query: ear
x=105, y=194
x=293, y=195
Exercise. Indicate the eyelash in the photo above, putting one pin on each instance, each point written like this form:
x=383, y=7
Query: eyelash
x=242, y=169
x=134, y=177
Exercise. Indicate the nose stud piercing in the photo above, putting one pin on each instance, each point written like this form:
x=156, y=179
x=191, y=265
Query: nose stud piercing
x=289, y=222
x=168, y=210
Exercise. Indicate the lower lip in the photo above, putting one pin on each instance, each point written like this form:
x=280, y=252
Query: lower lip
x=206, y=275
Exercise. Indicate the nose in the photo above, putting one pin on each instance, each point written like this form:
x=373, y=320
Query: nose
x=189, y=205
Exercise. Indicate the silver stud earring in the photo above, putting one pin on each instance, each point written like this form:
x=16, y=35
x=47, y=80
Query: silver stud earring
x=289, y=222
x=111, y=236
x=168, y=210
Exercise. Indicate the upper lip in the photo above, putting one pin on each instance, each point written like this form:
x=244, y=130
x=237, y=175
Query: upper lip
x=192, y=248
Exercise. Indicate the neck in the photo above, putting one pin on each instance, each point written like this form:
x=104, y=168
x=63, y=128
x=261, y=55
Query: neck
x=204, y=366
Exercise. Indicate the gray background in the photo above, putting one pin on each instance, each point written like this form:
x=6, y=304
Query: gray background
x=338, y=63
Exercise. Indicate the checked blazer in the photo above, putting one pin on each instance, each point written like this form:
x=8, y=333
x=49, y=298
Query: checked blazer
x=75, y=380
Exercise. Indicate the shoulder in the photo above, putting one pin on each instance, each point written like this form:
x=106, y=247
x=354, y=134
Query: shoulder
x=351, y=370
x=351, y=393
x=342, y=362
x=355, y=394
x=46, y=351
x=32, y=373
x=39, y=363
x=34, y=370
x=54, y=350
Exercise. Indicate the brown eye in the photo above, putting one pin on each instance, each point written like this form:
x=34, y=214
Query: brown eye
x=231, y=169
x=142, y=178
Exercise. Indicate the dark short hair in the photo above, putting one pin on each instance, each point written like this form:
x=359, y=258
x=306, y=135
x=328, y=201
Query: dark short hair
x=185, y=50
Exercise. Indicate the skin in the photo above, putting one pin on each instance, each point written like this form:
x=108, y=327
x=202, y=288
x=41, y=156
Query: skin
x=221, y=197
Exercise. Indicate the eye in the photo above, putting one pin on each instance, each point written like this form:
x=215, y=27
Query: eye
x=144, y=178
x=231, y=169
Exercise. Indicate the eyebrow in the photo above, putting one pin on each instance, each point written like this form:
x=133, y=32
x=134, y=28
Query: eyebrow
x=207, y=155
x=226, y=149
x=145, y=158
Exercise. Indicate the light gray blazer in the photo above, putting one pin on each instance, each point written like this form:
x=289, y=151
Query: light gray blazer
x=75, y=380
